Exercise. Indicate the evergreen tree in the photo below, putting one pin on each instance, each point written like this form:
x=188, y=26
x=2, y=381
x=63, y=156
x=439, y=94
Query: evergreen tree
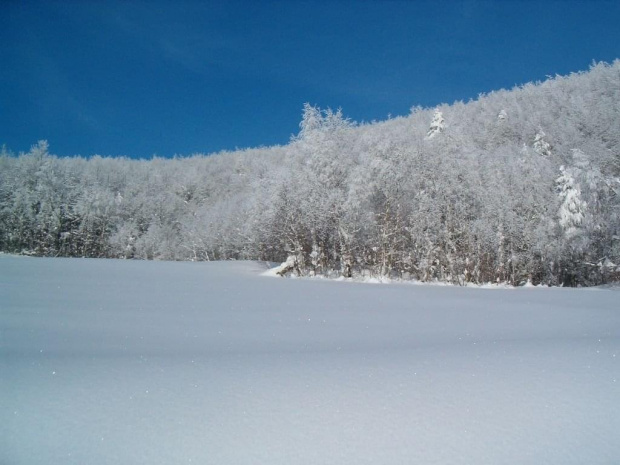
x=438, y=124
x=572, y=208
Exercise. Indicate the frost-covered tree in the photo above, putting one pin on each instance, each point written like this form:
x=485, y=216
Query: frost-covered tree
x=481, y=203
x=311, y=121
x=572, y=208
x=437, y=125
x=541, y=146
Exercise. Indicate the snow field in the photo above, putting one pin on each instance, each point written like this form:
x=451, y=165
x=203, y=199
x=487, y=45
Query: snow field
x=108, y=362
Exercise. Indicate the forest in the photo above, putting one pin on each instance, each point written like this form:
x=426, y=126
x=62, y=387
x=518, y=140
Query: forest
x=517, y=186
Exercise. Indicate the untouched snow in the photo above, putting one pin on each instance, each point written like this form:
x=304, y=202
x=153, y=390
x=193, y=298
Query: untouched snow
x=132, y=362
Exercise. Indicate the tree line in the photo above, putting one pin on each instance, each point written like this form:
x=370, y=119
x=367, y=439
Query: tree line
x=518, y=185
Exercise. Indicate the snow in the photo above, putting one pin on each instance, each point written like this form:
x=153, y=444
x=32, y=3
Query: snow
x=572, y=210
x=437, y=125
x=109, y=362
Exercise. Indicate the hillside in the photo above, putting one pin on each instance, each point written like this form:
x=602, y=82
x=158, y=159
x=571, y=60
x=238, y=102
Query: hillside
x=516, y=186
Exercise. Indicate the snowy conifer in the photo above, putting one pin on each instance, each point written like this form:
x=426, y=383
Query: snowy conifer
x=438, y=124
x=541, y=146
x=311, y=121
x=573, y=208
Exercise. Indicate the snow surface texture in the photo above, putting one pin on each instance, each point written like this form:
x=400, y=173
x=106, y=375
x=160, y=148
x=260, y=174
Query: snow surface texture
x=135, y=362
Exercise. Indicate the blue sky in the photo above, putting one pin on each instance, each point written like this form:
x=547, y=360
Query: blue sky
x=165, y=78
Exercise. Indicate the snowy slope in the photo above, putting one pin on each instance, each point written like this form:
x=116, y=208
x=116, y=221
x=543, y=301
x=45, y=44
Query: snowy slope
x=135, y=362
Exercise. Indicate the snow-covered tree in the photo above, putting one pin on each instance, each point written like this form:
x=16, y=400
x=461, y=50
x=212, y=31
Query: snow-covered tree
x=541, y=146
x=311, y=121
x=438, y=124
x=340, y=198
x=572, y=208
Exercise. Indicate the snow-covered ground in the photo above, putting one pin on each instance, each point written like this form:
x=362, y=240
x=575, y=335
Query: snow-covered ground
x=133, y=362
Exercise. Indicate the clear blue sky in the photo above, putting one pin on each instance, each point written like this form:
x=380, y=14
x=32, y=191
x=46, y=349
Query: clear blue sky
x=165, y=78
